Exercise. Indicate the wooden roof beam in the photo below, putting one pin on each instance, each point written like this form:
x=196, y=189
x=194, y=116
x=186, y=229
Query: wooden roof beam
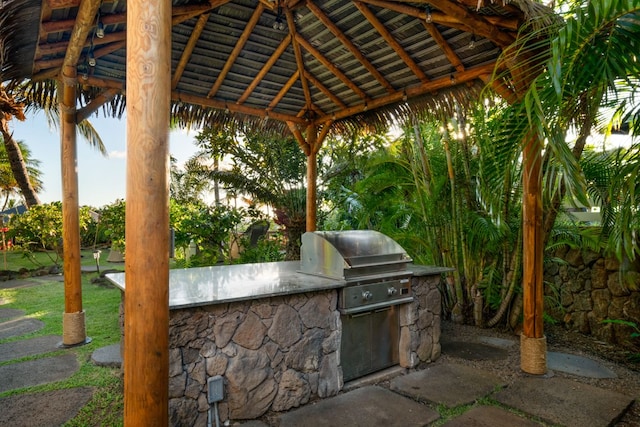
x=265, y=69
x=320, y=57
x=295, y=38
x=180, y=14
x=349, y=45
x=45, y=64
x=188, y=49
x=438, y=17
x=476, y=22
x=317, y=83
x=449, y=53
x=84, y=21
x=382, y=30
x=412, y=92
x=59, y=47
x=237, y=49
x=97, y=102
x=284, y=89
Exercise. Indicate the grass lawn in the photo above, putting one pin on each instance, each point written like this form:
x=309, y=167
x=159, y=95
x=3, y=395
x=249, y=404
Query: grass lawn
x=46, y=303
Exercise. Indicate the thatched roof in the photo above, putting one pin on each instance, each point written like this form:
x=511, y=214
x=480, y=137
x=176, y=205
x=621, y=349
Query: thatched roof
x=341, y=62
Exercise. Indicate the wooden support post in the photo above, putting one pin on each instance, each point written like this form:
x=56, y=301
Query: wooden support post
x=533, y=348
x=146, y=305
x=312, y=177
x=73, y=325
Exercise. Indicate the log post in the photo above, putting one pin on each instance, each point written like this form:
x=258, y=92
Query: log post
x=533, y=344
x=312, y=177
x=73, y=322
x=146, y=304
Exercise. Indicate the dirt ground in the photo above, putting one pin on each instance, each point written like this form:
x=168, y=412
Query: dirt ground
x=614, y=357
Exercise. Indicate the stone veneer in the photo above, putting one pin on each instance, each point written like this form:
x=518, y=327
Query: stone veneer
x=588, y=288
x=278, y=353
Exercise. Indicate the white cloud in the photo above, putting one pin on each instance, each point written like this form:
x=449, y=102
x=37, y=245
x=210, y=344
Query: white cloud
x=117, y=154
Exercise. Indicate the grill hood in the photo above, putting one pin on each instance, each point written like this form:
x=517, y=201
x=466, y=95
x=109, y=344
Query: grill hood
x=351, y=254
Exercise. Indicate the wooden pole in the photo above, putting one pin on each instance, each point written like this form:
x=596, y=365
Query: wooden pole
x=146, y=305
x=312, y=177
x=73, y=326
x=533, y=343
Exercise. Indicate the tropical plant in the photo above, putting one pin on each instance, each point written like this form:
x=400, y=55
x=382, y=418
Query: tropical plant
x=268, y=168
x=112, y=222
x=9, y=187
x=40, y=229
x=209, y=228
x=10, y=108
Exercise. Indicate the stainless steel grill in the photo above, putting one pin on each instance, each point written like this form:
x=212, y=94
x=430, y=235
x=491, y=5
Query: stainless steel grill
x=375, y=269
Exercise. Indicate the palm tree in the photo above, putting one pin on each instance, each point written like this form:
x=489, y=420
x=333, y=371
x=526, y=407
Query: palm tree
x=9, y=109
x=8, y=185
x=266, y=167
x=591, y=63
x=13, y=104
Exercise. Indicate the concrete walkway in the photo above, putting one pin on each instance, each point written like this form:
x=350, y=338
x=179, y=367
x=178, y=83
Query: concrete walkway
x=452, y=384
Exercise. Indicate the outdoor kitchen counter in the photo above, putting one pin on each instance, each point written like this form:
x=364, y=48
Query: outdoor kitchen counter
x=192, y=287
x=427, y=270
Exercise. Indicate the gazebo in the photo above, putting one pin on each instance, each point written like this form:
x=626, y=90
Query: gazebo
x=301, y=66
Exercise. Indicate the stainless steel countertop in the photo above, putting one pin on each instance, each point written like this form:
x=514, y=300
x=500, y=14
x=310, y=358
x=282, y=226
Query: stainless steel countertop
x=191, y=287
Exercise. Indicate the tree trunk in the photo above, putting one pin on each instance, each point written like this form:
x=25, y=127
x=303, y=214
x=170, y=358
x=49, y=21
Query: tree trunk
x=18, y=166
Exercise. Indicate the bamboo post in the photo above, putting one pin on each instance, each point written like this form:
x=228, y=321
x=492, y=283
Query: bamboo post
x=146, y=303
x=73, y=325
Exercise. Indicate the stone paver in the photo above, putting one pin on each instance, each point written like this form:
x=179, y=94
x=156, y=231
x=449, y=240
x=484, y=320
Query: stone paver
x=18, y=283
x=51, y=408
x=577, y=365
x=365, y=407
x=449, y=384
x=34, y=372
x=107, y=356
x=473, y=350
x=10, y=313
x=565, y=402
x=30, y=347
x=489, y=416
x=17, y=327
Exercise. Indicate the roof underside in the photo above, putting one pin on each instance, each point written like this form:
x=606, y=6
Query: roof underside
x=333, y=61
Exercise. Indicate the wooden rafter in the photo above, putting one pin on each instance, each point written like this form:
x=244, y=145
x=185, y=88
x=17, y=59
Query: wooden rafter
x=97, y=102
x=237, y=49
x=188, y=50
x=450, y=54
x=285, y=88
x=320, y=57
x=265, y=69
x=477, y=23
x=295, y=38
x=317, y=83
x=43, y=65
x=48, y=49
x=415, y=91
x=438, y=17
x=382, y=30
x=349, y=45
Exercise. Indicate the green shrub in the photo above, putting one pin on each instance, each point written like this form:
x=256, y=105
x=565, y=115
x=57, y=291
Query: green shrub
x=40, y=228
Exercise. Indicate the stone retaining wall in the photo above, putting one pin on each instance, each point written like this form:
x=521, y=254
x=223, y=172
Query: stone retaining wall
x=590, y=288
x=278, y=353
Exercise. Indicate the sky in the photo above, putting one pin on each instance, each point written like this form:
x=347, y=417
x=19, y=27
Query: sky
x=101, y=180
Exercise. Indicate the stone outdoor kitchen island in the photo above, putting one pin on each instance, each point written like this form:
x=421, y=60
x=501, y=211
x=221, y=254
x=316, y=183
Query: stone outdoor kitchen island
x=274, y=335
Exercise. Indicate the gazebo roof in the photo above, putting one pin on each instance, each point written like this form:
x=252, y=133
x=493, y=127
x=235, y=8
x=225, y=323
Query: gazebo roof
x=342, y=62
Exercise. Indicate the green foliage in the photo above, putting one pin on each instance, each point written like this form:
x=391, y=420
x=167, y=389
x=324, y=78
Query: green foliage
x=112, y=223
x=208, y=227
x=268, y=249
x=40, y=228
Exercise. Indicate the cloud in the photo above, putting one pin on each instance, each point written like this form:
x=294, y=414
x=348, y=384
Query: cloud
x=117, y=154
